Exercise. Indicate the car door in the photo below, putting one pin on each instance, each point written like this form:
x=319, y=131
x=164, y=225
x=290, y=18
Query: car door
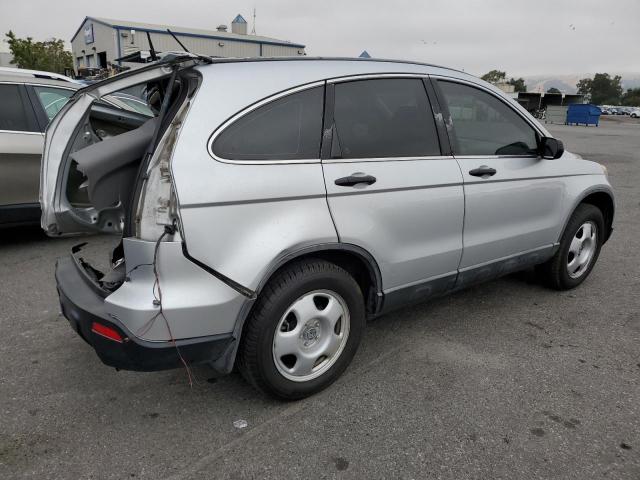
x=512, y=197
x=86, y=119
x=21, y=142
x=390, y=189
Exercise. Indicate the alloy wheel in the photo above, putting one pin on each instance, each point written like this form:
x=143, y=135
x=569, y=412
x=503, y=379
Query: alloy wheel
x=582, y=249
x=311, y=335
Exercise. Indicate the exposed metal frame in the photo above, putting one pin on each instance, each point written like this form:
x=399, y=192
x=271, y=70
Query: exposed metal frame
x=22, y=132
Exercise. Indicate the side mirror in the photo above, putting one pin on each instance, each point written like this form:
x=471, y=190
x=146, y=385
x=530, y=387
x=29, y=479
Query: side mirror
x=551, y=148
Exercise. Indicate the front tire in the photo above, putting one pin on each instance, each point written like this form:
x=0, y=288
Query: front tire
x=303, y=331
x=578, y=251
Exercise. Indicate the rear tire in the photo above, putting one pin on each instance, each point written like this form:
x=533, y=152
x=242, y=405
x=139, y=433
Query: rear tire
x=303, y=331
x=578, y=251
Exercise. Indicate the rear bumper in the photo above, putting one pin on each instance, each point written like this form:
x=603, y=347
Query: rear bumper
x=83, y=303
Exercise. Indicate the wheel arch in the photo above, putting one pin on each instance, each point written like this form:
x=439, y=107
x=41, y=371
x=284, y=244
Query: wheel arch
x=354, y=259
x=602, y=199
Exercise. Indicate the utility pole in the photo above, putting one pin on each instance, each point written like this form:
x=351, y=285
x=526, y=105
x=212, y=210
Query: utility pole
x=253, y=30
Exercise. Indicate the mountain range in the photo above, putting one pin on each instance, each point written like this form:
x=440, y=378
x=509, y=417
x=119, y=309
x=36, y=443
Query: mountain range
x=567, y=83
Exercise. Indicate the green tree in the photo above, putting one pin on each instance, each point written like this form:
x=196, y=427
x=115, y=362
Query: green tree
x=553, y=90
x=48, y=56
x=497, y=76
x=601, y=89
x=631, y=97
x=494, y=76
x=519, y=84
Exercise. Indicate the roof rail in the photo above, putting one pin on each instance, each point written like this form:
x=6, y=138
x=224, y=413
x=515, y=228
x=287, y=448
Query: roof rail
x=23, y=72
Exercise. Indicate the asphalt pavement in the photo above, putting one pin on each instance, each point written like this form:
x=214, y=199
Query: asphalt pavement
x=504, y=380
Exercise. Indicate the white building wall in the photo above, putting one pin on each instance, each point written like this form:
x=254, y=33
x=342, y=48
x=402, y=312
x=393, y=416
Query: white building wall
x=281, y=50
x=119, y=42
x=204, y=46
x=104, y=40
x=223, y=47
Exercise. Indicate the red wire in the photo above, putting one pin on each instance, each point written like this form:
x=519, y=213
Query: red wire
x=147, y=326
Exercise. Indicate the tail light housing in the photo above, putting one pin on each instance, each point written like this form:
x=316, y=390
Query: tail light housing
x=158, y=205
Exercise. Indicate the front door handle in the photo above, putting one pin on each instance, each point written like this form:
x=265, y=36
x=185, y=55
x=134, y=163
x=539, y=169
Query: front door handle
x=354, y=179
x=483, y=171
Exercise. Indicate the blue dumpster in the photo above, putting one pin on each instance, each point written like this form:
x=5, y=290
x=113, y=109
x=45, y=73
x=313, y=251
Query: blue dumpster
x=583, y=113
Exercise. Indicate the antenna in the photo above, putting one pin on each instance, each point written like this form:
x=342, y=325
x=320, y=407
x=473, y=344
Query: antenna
x=154, y=57
x=176, y=39
x=253, y=30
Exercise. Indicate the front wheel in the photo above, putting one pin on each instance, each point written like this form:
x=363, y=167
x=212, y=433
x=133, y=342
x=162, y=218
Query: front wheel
x=578, y=251
x=303, y=331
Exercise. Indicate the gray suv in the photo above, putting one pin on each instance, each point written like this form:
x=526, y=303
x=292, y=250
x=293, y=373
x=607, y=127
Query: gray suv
x=28, y=101
x=271, y=206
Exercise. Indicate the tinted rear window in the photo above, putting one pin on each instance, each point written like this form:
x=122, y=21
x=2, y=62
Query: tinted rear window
x=384, y=118
x=12, y=112
x=289, y=128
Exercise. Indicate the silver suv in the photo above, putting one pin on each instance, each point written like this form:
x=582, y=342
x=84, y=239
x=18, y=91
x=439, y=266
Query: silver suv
x=272, y=206
x=29, y=99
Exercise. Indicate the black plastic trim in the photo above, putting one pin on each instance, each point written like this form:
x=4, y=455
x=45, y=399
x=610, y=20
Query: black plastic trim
x=441, y=128
x=446, y=115
x=464, y=278
x=418, y=293
x=20, y=215
x=499, y=268
x=580, y=199
x=247, y=292
x=226, y=361
x=327, y=121
x=28, y=108
x=369, y=260
x=38, y=109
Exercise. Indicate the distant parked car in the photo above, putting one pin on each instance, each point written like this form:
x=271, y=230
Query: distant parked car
x=635, y=113
x=29, y=100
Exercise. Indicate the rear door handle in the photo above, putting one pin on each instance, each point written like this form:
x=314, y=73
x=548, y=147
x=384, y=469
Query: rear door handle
x=483, y=171
x=354, y=179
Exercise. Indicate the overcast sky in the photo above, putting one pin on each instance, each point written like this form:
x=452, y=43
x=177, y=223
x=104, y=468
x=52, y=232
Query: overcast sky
x=521, y=37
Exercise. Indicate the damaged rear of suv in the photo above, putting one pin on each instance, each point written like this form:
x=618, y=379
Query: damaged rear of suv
x=107, y=170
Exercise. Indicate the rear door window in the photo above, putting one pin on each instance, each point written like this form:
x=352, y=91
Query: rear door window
x=13, y=111
x=52, y=99
x=484, y=124
x=382, y=118
x=289, y=128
